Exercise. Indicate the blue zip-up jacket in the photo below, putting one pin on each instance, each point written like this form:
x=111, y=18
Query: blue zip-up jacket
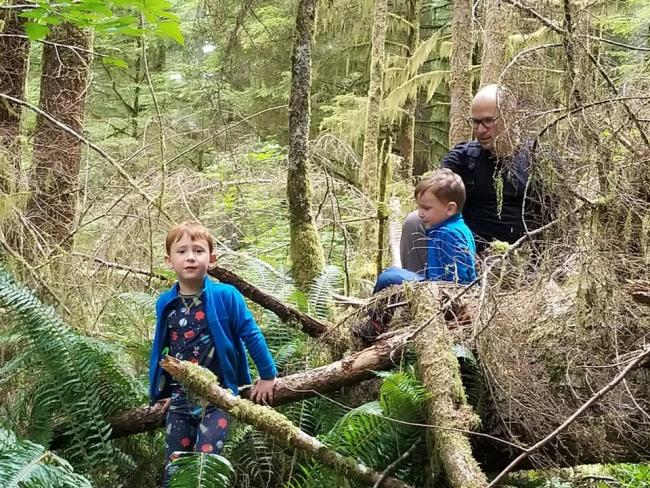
x=231, y=325
x=451, y=251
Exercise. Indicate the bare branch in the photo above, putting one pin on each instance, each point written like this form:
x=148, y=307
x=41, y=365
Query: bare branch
x=602, y=392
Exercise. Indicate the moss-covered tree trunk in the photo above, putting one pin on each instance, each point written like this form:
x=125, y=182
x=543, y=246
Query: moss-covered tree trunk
x=54, y=183
x=370, y=159
x=448, y=408
x=497, y=25
x=204, y=384
x=307, y=259
x=14, y=59
x=407, y=141
x=460, y=82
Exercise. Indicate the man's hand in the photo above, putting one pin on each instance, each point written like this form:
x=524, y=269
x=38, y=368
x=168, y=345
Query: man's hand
x=262, y=391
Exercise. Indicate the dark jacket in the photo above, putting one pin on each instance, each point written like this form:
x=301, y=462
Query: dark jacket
x=489, y=215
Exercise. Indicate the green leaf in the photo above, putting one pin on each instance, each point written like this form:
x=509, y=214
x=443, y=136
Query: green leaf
x=171, y=30
x=117, y=62
x=36, y=32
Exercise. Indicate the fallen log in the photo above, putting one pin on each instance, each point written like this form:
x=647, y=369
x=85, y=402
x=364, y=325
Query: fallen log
x=350, y=370
x=204, y=384
x=448, y=409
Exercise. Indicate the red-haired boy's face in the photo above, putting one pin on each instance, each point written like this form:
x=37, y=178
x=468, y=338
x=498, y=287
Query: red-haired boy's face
x=190, y=259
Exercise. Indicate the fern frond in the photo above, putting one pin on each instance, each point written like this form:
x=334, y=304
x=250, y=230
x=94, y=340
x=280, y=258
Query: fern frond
x=25, y=464
x=199, y=470
x=321, y=290
x=74, y=381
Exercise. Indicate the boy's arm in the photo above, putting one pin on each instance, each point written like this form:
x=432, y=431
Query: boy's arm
x=246, y=328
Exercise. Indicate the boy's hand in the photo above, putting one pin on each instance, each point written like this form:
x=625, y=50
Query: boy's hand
x=262, y=391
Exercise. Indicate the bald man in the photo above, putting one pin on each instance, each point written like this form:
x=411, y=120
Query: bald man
x=494, y=157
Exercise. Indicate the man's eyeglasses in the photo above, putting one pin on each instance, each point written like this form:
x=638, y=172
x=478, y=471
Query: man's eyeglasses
x=487, y=122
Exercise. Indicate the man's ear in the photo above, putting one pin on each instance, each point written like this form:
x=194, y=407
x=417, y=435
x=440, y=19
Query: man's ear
x=213, y=259
x=168, y=261
x=452, y=208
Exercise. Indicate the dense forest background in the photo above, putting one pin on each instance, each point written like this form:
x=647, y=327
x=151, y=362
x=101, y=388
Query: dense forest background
x=294, y=130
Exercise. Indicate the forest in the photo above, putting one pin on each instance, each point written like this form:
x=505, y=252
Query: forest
x=296, y=132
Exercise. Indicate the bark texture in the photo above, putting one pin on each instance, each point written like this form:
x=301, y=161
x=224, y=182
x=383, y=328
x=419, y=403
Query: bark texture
x=460, y=82
x=370, y=158
x=203, y=383
x=448, y=408
x=14, y=60
x=57, y=155
x=497, y=17
x=307, y=258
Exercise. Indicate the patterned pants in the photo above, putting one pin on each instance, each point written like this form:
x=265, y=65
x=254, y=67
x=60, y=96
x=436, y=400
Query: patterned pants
x=190, y=428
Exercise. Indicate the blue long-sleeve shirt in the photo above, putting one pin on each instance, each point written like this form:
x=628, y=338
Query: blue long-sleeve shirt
x=451, y=252
x=231, y=326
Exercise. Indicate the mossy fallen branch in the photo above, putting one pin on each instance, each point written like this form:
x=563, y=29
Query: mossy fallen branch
x=348, y=371
x=204, y=384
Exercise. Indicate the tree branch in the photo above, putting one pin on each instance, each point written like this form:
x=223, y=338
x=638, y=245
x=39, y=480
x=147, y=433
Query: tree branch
x=91, y=145
x=603, y=391
x=203, y=383
x=287, y=313
x=348, y=371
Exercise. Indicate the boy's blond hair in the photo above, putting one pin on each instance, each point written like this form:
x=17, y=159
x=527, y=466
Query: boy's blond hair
x=195, y=230
x=446, y=185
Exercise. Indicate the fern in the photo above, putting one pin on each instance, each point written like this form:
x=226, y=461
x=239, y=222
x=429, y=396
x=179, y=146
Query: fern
x=72, y=382
x=25, y=464
x=199, y=470
x=321, y=290
x=367, y=433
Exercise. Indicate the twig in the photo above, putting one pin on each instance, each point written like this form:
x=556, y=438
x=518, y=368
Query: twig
x=394, y=464
x=211, y=137
x=91, y=145
x=163, y=164
x=602, y=392
x=122, y=267
x=580, y=109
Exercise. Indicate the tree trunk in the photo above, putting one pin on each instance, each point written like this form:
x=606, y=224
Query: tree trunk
x=460, y=82
x=349, y=371
x=14, y=60
x=57, y=155
x=385, y=176
x=370, y=158
x=307, y=258
x=495, y=34
x=407, y=141
x=204, y=384
x=574, y=95
x=448, y=408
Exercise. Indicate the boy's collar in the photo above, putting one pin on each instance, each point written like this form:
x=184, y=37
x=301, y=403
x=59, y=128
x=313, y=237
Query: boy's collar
x=453, y=218
x=177, y=286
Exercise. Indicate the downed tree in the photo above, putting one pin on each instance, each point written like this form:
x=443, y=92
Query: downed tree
x=348, y=371
x=448, y=409
x=204, y=384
